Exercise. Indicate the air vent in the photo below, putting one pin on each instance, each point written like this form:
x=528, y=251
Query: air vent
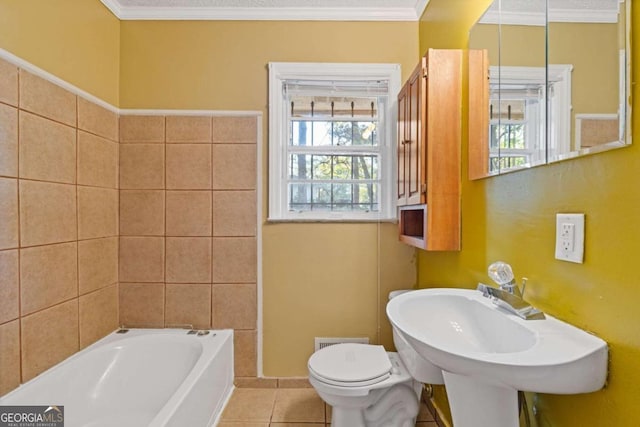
x=322, y=342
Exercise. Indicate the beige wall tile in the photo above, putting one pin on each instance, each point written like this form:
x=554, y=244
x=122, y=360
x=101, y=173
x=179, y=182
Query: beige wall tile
x=189, y=259
x=48, y=276
x=141, y=128
x=141, y=212
x=97, y=264
x=188, y=213
x=234, y=213
x=97, y=120
x=188, y=129
x=245, y=353
x=234, y=306
x=8, y=213
x=97, y=212
x=8, y=84
x=9, y=356
x=188, y=166
x=97, y=161
x=48, y=337
x=47, y=149
x=296, y=405
x=234, y=167
x=98, y=314
x=47, y=213
x=141, y=304
x=141, y=259
x=188, y=304
x=8, y=141
x=9, y=306
x=47, y=99
x=234, y=260
x=235, y=129
x=142, y=166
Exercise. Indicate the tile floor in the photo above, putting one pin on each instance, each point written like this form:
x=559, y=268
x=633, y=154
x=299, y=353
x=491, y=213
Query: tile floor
x=286, y=407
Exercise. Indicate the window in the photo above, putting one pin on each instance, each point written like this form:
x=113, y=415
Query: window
x=518, y=115
x=330, y=141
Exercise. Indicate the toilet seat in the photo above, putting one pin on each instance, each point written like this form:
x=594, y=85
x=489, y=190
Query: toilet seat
x=351, y=365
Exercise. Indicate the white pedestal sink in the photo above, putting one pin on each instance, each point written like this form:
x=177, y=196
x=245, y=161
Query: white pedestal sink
x=487, y=354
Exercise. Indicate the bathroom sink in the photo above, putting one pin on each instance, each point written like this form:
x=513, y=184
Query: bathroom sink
x=487, y=353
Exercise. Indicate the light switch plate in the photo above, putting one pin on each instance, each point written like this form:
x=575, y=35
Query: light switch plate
x=570, y=237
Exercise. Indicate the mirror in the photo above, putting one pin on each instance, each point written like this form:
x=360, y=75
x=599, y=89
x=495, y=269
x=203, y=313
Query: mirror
x=557, y=87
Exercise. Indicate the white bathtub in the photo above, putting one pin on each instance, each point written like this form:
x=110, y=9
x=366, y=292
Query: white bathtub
x=145, y=377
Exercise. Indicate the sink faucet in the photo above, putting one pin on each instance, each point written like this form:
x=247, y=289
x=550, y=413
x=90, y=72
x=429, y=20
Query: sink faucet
x=509, y=296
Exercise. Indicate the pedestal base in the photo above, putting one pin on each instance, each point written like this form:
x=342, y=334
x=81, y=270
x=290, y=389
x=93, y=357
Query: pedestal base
x=477, y=404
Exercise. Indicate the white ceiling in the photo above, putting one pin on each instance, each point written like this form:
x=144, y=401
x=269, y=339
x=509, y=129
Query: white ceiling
x=314, y=10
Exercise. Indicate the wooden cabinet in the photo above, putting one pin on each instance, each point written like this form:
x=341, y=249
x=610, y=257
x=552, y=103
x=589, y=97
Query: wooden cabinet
x=429, y=140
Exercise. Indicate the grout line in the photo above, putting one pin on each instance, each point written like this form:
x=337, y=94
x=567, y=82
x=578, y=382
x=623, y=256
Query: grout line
x=20, y=351
x=77, y=165
x=164, y=237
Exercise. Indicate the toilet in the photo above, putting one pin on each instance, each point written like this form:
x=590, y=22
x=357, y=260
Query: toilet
x=370, y=387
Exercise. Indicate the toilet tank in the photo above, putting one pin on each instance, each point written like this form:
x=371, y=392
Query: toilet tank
x=420, y=369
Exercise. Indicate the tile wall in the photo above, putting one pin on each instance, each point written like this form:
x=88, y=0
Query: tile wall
x=58, y=224
x=188, y=226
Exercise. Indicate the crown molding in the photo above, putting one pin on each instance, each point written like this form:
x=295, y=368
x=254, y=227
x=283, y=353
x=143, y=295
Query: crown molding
x=591, y=16
x=267, y=13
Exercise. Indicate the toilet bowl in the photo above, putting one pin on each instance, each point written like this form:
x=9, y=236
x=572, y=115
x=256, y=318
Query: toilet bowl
x=365, y=385
x=370, y=387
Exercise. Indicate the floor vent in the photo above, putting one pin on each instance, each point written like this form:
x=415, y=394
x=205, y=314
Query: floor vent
x=322, y=342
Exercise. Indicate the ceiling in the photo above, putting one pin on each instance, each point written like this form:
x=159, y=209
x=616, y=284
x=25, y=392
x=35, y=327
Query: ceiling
x=304, y=10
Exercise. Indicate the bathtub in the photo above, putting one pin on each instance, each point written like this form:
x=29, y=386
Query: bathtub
x=144, y=377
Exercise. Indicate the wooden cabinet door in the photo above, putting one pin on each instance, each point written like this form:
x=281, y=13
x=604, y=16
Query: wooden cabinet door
x=414, y=154
x=402, y=138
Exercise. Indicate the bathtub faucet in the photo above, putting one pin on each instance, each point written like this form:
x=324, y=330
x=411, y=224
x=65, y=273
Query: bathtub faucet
x=511, y=302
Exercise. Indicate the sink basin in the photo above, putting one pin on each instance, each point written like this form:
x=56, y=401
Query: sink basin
x=487, y=354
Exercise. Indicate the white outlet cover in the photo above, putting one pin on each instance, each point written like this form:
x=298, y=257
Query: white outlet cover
x=577, y=254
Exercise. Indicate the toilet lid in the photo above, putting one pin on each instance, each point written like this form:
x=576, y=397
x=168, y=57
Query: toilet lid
x=351, y=363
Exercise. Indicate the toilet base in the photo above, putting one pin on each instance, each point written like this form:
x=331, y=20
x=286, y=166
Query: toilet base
x=394, y=407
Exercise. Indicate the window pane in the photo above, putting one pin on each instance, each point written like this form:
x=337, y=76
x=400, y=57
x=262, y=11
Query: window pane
x=366, y=194
x=342, y=133
x=299, y=196
x=300, y=133
x=508, y=136
x=322, y=134
x=300, y=166
x=321, y=194
x=321, y=167
x=366, y=133
x=366, y=167
x=334, y=197
x=342, y=166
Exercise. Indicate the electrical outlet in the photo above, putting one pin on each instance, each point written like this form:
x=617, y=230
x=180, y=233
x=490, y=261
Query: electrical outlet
x=570, y=237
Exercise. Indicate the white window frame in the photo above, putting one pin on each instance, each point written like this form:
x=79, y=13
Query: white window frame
x=558, y=138
x=279, y=73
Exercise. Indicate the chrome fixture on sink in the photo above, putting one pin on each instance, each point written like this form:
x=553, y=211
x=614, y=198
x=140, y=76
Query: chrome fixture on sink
x=509, y=296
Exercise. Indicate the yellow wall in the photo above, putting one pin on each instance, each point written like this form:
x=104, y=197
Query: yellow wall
x=512, y=218
x=75, y=40
x=222, y=65
x=318, y=279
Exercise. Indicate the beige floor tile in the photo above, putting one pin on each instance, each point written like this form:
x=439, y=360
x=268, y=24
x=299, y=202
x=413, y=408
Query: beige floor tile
x=298, y=405
x=241, y=424
x=296, y=425
x=248, y=404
